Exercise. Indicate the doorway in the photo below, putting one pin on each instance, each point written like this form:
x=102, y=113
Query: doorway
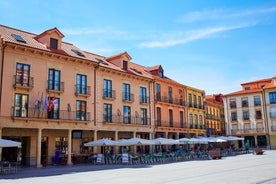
x=44, y=151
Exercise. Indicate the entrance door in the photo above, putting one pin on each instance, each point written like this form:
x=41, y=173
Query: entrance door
x=44, y=151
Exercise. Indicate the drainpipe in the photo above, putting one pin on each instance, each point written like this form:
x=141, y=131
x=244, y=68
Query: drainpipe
x=266, y=119
x=95, y=90
x=153, y=85
x=2, y=70
x=228, y=123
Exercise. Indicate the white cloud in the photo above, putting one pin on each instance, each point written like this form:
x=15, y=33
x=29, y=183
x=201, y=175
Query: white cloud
x=191, y=36
x=225, y=14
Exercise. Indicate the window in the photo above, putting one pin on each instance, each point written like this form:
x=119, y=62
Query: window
x=257, y=100
x=161, y=73
x=195, y=101
x=171, y=117
x=158, y=92
x=233, y=104
x=158, y=116
x=170, y=94
x=143, y=95
x=79, y=53
x=21, y=105
x=247, y=88
x=181, y=119
x=200, y=121
x=190, y=100
x=199, y=101
x=244, y=102
x=53, y=43
x=22, y=74
x=258, y=114
x=18, y=38
x=272, y=97
x=81, y=110
x=107, y=113
x=144, y=116
x=54, y=79
x=245, y=115
x=81, y=84
x=125, y=67
x=126, y=92
x=127, y=113
x=53, y=108
x=196, y=120
x=191, y=120
x=234, y=116
x=107, y=92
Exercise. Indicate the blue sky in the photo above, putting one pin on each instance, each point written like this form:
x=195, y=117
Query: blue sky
x=212, y=45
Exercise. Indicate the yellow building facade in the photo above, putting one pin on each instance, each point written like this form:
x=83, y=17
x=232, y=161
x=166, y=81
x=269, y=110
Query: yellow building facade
x=195, y=112
x=214, y=115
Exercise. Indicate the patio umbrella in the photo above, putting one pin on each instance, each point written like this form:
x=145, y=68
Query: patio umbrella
x=4, y=143
x=165, y=141
x=184, y=140
x=216, y=139
x=101, y=142
x=134, y=141
x=198, y=141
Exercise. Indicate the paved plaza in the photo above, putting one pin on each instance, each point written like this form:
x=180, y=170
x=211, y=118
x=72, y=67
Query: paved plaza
x=241, y=169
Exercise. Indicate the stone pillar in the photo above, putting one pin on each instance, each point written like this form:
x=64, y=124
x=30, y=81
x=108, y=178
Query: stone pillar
x=95, y=137
x=134, y=135
x=256, y=141
x=116, y=151
x=38, y=146
x=150, y=138
x=69, y=151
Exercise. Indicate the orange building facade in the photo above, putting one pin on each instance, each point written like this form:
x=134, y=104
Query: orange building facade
x=55, y=97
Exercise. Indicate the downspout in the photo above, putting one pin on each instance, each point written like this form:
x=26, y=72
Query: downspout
x=266, y=119
x=95, y=90
x=153, y=86
x=2, y=70
x=228, y=123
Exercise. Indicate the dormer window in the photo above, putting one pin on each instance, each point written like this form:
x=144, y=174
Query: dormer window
x=53, y=43
x=160, y=73
x=125, y=67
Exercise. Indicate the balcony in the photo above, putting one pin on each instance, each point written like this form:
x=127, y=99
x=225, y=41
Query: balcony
x=128, y=97
x=132, y=120
x=109, y=94
x=55, y=86
x=82, y=90
x=167, y=99
x=35, y=113
x=144, y=99
x=23, y=82
x=248, y=131
x=171, y=124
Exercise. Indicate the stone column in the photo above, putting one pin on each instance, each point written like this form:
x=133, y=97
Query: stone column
x=116, y=151
x=256, y=141
x=38, y=146
x=69, y=151
x=95, y=137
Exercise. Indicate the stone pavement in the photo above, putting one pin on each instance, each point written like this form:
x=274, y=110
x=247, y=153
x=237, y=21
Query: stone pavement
x=239, y=169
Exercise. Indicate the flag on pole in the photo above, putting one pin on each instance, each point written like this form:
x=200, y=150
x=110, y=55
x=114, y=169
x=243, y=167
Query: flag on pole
x=51, y=104
x=41, y=103
x=46, y=103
